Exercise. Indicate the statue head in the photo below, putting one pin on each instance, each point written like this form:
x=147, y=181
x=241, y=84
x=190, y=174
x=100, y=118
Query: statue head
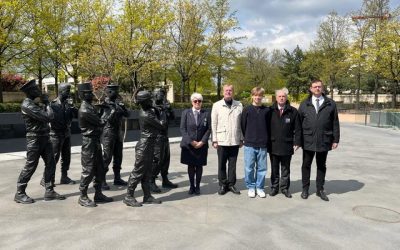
x=159, y=95
x=112, y=91
x=144, y=99
x=31, y=89
x=86, y=91
x=64, y=91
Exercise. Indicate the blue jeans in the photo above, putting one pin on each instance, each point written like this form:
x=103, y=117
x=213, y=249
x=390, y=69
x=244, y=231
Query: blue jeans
x=255, y=167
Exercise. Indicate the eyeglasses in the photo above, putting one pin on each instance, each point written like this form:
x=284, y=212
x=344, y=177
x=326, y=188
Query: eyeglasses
x=197, y=101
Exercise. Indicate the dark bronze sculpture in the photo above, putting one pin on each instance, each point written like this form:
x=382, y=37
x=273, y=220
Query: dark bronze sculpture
x=113, y=136
x=60, y=130
x=150, y=127
x=37, y=120
x=91, y=156
x=162, y=151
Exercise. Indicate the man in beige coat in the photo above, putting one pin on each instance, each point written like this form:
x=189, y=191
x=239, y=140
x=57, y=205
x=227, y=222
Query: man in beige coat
x=227, y=138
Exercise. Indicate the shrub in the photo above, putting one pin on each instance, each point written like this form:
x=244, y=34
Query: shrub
x=10, y=107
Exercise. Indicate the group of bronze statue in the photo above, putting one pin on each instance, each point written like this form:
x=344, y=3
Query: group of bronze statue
x=48, y=135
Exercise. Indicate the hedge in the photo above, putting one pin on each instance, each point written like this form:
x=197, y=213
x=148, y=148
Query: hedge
x=10, y=107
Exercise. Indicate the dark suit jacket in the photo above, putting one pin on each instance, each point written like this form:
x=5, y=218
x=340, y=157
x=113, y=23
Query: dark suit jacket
x=322, y=129
x=192, y=132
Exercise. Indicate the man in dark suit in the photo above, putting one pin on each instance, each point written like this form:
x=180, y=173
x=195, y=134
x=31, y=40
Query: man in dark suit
x=321, y=133
x=284, y=139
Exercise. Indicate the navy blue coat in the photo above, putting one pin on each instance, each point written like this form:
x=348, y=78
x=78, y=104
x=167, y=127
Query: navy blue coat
x=192, y=132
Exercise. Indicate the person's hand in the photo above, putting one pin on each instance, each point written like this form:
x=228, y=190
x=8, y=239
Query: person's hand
x=194, y=144
x=335, y=145
x=295, y=147
x=45, y=99
x=215, y=145
x=199, y=144
x=241, y=144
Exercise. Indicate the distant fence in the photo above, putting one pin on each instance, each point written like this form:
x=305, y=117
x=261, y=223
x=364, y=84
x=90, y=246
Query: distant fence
x=383, y=118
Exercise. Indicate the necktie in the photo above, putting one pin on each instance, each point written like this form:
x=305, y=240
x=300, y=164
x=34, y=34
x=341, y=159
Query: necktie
x=280, y=111
x=196, y=117
x=317, y=104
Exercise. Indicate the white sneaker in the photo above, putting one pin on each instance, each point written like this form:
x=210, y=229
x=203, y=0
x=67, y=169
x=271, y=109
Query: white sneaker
x=251, y=193
x=261, y=193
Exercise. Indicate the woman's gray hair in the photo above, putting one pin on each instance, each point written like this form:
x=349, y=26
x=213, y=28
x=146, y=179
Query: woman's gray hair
x=284, y=90
x=196, y=96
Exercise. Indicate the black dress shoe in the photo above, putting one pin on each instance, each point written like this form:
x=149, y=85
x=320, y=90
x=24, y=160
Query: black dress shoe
x=120, y=182
x=222, y=190
x=86, y=202
x=234, y=190
x=151, y=200
x=100, y=197
x=154, y=188
x=191, y=191
x=286, y=193
x=66, y=180
x=105, y=186
x=23, y=198
x=321, y=194
x=131, y=201
x=197, y=191
x=50, y=195
x=304, y=194
x=273, y=192
x=168, y=184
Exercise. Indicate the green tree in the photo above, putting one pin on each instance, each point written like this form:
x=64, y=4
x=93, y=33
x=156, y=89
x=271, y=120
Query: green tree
x=332, y=43
x=376, y=11
x=389, y=54
x=293, y=73
x=188, y=42
x=12, y=33
x=79, y=38
x=222, y=22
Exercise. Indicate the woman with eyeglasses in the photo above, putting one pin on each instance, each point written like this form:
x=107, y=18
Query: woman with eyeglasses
x=195, y=129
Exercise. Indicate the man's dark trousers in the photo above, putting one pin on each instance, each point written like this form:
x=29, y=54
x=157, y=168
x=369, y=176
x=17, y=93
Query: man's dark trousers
x=276, y=162
x=227, y=154
x=308, y=157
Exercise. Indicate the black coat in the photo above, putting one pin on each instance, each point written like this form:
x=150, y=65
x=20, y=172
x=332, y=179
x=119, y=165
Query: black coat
x=36, y=118
x=63, y=115
x=320, y=130
x=192, y=132
x=284, y=131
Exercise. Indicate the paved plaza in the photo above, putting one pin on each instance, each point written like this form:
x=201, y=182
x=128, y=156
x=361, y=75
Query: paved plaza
x=363, y=184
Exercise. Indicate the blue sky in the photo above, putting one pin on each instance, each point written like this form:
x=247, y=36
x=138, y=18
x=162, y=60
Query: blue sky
x=279, y=24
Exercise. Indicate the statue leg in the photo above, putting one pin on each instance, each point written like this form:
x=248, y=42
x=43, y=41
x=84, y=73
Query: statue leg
x=117, y=162
x=65, y=161
x=165, y=158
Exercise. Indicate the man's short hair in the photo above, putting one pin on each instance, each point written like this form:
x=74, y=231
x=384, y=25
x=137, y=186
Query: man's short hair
x=257, y=91
x=227, y=86
x=284, y=90
x=315, y=81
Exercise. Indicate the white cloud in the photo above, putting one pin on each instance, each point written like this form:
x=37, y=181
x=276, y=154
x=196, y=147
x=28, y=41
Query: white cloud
x=278, y=24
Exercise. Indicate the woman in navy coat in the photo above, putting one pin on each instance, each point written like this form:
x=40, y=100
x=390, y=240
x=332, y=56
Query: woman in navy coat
x=195, y=129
